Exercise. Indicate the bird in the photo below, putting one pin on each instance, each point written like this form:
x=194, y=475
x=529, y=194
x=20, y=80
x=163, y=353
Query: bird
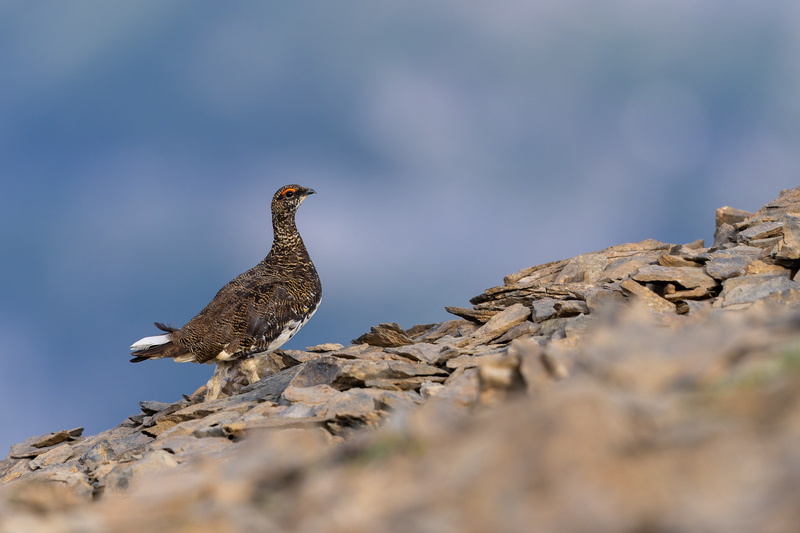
x=255, y=313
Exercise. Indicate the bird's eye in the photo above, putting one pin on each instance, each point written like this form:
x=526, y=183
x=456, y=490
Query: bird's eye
x=288, y=193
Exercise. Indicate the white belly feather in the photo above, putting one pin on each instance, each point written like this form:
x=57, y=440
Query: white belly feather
x=288, y=332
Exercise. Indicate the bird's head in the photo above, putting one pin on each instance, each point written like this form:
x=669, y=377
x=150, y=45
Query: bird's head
x=288, y=199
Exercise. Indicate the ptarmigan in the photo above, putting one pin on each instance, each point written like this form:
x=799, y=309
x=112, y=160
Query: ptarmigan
x=255, y=313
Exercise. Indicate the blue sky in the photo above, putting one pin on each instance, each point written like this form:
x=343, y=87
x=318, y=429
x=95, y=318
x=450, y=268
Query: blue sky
x=450, y=144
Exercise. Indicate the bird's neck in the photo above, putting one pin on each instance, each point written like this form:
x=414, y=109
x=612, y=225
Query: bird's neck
x=285, y=235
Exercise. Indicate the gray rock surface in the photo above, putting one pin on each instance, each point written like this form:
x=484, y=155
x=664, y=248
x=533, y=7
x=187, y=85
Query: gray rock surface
x=643, y=387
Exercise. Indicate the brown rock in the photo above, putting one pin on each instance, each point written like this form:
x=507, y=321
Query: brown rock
x=312, y=395
x=577, y=325
x=499, y=377
x=748, y=289
x=635, y=248
x=601, y=301
x=763, y=231
x=783, y=300
x=343, y=374
x=100, y=453
x=450, y=327
x=526, y=329
x=356, y=351
x=583, y=268
x=55, y=455
x=540, y=273
x=412, y=383
x=698, y=293
x=385, y=335
x=543, y=309
x=729, y=266
x=502, y=322
x=39, y=444
x=691, y=307
x=421, y=351
x=121, y=477
x=724, y=234
x=789, y=247
x=461, y=389
x=651, y=300
x=481, y=317
x=419, y=330
x=55, y=438
x=42, y=497
x=729, y=215
x=188, y=448
x=622, y=267
x=686, y=277
x=538, y=370
x=327, y=347
x=554, y=327
x=676, y=261
x=762, y=267
x=152, y=407
x=788, y=201
x=568, y=308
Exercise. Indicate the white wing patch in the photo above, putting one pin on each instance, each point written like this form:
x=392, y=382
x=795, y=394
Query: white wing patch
x=147, y=342
x=287, y=333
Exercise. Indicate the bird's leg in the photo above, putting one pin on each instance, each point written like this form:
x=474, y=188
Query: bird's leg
x=250, y=368
x=214, y=385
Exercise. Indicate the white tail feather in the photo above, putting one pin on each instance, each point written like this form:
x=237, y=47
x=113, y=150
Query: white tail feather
x=147, y=342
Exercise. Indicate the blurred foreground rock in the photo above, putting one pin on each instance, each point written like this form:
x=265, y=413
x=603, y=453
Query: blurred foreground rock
x=644, y=387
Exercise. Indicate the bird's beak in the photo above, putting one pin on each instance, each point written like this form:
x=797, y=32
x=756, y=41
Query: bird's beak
x=306, y=195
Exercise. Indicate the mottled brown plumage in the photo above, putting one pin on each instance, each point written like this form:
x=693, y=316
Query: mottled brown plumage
x=253, y=314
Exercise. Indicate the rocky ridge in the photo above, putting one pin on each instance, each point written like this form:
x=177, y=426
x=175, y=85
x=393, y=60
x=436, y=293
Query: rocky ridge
x=646, y=386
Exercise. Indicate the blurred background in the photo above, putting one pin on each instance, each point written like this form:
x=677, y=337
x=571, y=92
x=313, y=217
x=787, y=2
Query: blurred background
x=450, y=144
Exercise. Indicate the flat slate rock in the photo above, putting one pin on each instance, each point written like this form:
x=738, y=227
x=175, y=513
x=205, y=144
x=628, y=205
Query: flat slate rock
x=385, y=335
x=543, y=309
x=502, y=322
x=583, y=268
x=567, y=308
x=725, y=267
x=343, y=374
x=327, y=347
x=536, y=273
x=748, y=289
x=762, y=231
x=651, y=300
x=152, y=407
x=731, y=216
x=687, y=277
x=623, y=267
x=480, y=316
x=57, y=437
x=421, y=351
x=789, y=249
